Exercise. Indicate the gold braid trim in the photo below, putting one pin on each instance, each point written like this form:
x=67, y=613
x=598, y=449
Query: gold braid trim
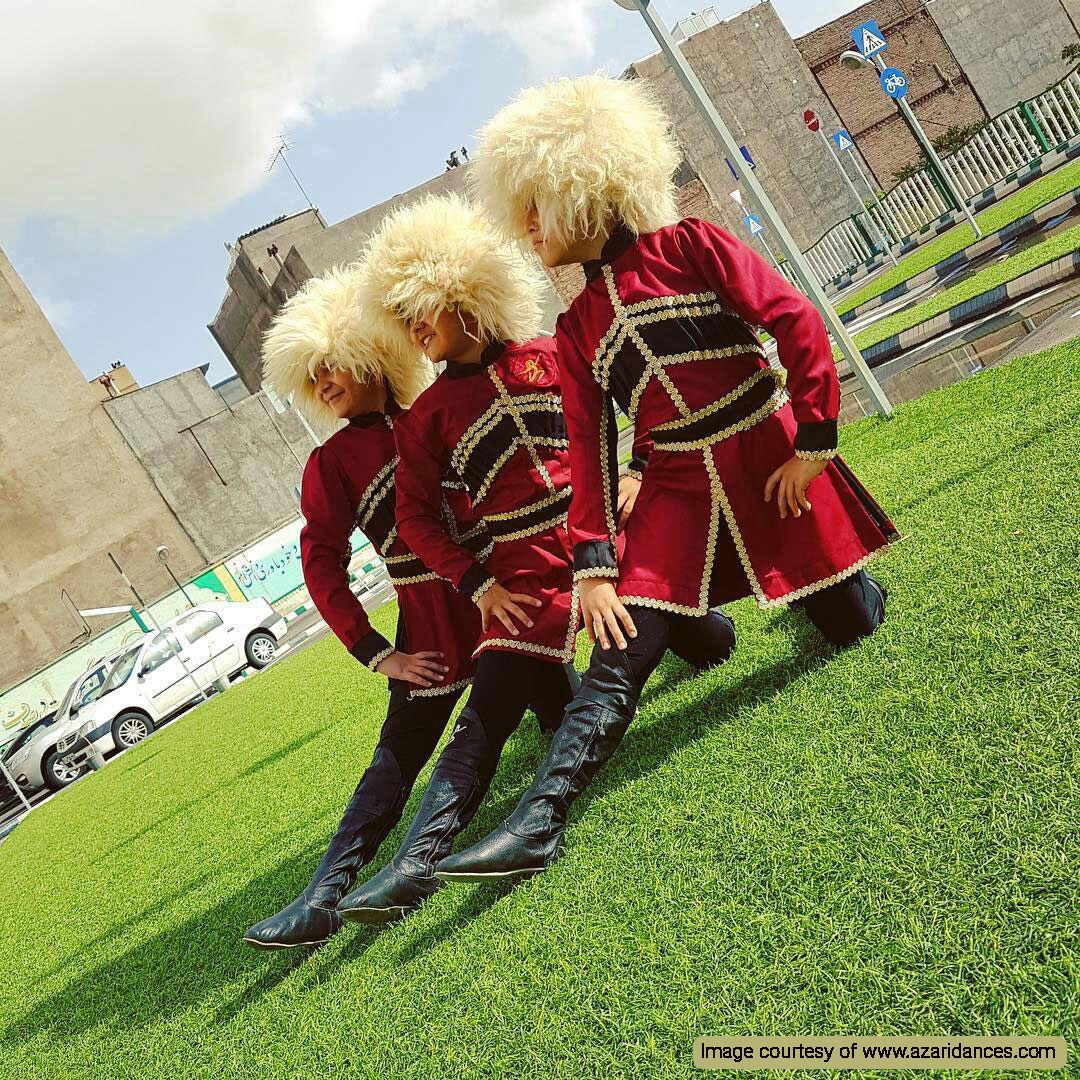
x=816, y=455
x=778, y=399
x=548, y=500
x=432, y=691
x=533, y=530
x=676, y=300
x=566, y=654
x=378, y=480
x=504, y=394
x=740, y=545
x=824, y=583
x=379, y=657
x=505, y=456
x=481, y=589
x=715, y=406
x=637, y=474
x=596, y=572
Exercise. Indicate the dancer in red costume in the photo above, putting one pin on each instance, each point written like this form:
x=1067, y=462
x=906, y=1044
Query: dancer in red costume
x=742, y=491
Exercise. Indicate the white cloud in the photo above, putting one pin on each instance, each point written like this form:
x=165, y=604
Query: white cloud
x=130, y=117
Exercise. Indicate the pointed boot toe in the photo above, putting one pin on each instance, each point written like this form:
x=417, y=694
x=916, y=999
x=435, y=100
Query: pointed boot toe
x=300, y=924
x=388, y=896
x=501, y=854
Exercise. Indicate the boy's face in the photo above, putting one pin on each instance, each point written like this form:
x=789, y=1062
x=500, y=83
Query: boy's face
x=553, y=252
x=441, y=338
x=344, y=395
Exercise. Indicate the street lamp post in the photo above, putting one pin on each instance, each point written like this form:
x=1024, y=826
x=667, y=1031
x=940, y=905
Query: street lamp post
x=163, y=558
x=730, y=149
x=852, y=59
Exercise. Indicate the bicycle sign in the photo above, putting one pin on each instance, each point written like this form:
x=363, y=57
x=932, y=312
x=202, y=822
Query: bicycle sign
x=893, y=82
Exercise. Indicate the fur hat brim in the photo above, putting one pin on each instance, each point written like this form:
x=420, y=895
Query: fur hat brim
x=443, y=253
x=585, y=153
x=324, y=323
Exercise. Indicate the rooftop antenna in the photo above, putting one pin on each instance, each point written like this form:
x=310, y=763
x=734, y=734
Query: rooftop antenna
x=279, y=155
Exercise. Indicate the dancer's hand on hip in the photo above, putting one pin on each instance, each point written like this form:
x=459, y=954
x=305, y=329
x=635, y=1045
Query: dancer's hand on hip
x=420, y=669
x=604, y=614
x=629, y=486
x=790, y=482
x=499, y=603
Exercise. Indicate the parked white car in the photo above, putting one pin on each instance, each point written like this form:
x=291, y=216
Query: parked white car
x=156, y=677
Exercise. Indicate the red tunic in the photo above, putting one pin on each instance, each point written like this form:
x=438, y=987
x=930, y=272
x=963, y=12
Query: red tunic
x=498, y=425
x=349, y=483
x=664, y=330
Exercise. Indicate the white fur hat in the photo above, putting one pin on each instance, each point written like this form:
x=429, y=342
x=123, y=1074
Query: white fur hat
x=324, y=323
x=442, y=253
x=584, y=152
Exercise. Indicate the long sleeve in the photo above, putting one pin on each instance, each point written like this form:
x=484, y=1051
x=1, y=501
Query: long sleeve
x=594, y=467
x=639, y=455
x=329, y=508
x=420, y=520
x=762, y=297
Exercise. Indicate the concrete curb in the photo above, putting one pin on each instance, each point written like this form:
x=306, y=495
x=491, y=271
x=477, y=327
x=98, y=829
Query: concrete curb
x=1021, y=227
x=1041, y=166
x=1061, y=269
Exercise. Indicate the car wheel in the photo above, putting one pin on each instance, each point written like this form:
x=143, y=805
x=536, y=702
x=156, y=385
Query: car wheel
x=56, y=774
x=130, y=728
x=260, y=649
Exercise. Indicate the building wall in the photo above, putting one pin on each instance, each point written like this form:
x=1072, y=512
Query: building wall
x=228, y=473
x=939, y=92
x=1010, y=49
x=70, y=491
x=759, y=83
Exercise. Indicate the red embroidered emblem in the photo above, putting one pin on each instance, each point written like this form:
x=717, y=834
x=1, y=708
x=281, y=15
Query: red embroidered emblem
x=532, y=370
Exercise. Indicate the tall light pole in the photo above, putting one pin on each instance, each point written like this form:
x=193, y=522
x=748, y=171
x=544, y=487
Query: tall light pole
x=854, y=60
x=730, y=149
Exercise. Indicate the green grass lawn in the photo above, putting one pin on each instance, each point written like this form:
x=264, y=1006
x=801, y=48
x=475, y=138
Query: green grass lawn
x=1046, y=251
x=875, y=842
x=1038, y=193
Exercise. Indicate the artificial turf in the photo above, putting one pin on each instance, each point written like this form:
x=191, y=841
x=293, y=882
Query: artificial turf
x=1038, y=193
x=875, y=842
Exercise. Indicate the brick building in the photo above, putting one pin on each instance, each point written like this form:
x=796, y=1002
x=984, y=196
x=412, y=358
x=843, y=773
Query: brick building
x=939, y=91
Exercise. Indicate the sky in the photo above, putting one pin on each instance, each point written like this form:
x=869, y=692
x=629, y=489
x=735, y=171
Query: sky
x=137, y=135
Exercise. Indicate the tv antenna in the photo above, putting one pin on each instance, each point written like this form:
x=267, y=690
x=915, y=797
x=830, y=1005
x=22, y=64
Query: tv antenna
x=279, y=155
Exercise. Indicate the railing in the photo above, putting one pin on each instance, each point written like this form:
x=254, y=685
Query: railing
x=1000, y=148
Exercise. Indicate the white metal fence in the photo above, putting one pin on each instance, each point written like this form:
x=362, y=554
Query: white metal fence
x=1004, y=145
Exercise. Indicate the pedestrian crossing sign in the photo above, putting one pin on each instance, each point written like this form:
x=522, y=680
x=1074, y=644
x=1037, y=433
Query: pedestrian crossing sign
x=843, y=140
x=868, y=39
x=753, y=224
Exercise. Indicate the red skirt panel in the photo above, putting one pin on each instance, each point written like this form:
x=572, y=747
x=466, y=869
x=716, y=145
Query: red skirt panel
x=721, y=541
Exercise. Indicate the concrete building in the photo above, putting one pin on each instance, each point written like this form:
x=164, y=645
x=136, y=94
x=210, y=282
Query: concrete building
x=758, y=81
x=70, y=492
x=1009, y=49
x=939, y=91
x=267, y=265
x=228, y=471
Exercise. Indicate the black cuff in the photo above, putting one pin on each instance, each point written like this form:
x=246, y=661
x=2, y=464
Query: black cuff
x=816, y=437
x=475, y=581
x=636, y=466
x=595, y=558
x=372, y=649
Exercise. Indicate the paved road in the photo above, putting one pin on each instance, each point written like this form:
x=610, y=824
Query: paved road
x=1063, y=326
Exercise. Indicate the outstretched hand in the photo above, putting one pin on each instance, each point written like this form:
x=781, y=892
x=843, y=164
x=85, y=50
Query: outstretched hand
x=790, y=482
x=420, y=669
x=499, y=603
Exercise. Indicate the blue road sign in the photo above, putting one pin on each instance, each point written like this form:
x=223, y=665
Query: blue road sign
x=843, y=140
x=893, y=82
x=753, y=224
x=869, y=40
x=746, y=157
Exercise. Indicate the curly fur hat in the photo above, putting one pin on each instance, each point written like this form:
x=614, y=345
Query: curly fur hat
x=441, y=253
x=585, y=152
x=324, y=323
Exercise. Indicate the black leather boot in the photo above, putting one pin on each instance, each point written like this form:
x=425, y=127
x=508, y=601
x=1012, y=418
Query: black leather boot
x=531, y=838
x=373, y=811
x=703, y=642
x=456, y=789
x=848, y=611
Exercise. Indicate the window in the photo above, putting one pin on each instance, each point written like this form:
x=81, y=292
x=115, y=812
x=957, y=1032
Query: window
x=91, y=687
x=198, y=624
x=122, y=670
x=163, y=647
